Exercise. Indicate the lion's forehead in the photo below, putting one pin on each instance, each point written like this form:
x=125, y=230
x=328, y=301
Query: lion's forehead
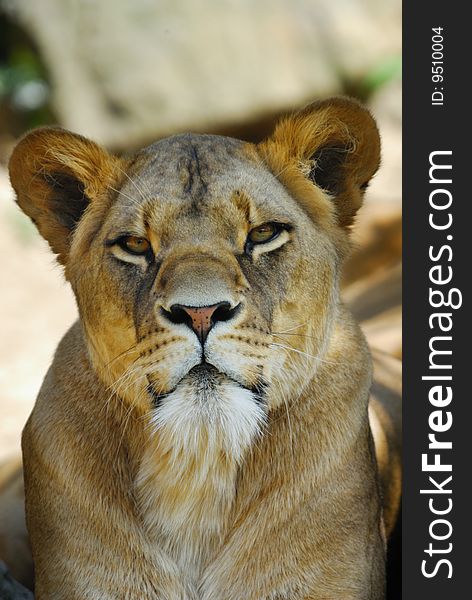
x=192, y=162
x=200, y=170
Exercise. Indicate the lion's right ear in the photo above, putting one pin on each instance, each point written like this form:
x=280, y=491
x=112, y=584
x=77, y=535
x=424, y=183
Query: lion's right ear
x=56, y=174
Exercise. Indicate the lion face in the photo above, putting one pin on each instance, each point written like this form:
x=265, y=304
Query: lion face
x=205, y=269
x=200, y=321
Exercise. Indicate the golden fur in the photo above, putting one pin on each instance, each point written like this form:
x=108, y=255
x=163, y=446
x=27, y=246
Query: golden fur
x=150, y=475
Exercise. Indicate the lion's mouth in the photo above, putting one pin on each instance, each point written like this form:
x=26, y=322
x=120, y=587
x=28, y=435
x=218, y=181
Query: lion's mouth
x=205, y=378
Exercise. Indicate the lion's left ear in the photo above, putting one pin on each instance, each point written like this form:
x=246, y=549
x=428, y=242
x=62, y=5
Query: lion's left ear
x=334, y=145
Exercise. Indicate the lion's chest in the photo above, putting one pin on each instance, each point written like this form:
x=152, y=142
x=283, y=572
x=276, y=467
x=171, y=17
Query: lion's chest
x=185, y=501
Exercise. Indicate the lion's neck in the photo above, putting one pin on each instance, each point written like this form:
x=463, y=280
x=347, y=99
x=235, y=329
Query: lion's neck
x=185, y=498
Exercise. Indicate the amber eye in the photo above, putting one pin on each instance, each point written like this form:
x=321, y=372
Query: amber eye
x=134, y=245
x=264, y=233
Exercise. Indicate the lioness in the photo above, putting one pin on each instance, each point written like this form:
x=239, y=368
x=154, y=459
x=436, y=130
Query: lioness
x=203, y=430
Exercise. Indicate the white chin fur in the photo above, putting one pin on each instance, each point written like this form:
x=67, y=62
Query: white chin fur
x=225, y=417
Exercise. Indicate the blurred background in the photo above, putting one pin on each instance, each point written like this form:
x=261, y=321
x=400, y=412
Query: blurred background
x=128, y=72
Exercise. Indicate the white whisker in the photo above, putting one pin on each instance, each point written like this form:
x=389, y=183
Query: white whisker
x=130, y=198
x=305, y=354
x=139, y=190
x=293, y=328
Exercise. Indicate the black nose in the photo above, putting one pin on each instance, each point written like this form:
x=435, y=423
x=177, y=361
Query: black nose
x=201, y=318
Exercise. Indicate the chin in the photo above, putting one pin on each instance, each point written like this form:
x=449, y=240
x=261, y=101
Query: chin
x=209, y=411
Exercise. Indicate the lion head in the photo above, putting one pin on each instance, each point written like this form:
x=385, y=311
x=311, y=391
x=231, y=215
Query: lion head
x=205, y=269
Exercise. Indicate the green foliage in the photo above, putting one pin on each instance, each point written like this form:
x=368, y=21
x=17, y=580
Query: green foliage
x=384, y=72
x=24, y=88
x=22, y=66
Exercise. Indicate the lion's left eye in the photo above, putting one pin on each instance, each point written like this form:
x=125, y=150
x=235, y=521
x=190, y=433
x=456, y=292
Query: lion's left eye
x=134, y=245
x=264, y=233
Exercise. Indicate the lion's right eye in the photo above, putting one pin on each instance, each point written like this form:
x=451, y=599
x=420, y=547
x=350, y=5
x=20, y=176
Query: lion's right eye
x=134, y=245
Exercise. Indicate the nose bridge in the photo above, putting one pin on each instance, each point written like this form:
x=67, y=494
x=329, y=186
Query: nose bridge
x=198, y=278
